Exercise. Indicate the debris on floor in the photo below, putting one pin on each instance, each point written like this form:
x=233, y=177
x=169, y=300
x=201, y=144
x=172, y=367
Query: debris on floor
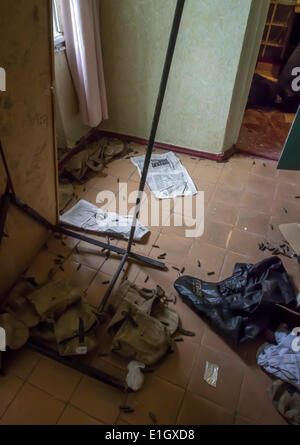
x=135, y=378
x=283, y=359
x=167, y=178
x=66, y=194
x=286, y=400
x=282, y=248
x=90, y=218
x=142, y=326
x=89, y=158
x=240, y=307
x=211, y=374
x=291, y=232
x=56, y=314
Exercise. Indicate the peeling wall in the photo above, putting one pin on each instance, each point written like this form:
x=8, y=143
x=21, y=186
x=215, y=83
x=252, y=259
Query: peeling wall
x=134, y=38
x=26, y=129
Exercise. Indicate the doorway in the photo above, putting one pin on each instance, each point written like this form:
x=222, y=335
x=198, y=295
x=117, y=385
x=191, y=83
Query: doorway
x=274, y=95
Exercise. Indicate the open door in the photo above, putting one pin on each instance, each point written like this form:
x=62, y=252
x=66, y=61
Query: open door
x=290, y=158
x=27, y=129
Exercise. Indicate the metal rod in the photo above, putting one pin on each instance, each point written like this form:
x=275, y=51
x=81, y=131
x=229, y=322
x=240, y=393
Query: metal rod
x=112, y=283
x=157, y=113
x=78, y=366
x=60, y=229
x=11, y=186
x=5, y=201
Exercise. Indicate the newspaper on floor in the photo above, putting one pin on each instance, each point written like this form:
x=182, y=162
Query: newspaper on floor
x=167, y=178
x=88, y=217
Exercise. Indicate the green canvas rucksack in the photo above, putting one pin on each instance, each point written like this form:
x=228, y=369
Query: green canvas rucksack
x=142, y=325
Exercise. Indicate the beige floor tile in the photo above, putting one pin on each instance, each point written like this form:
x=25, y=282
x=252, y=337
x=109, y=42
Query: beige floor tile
x=290, y=177
x=121, y=168
x=214, y=341
x=240, y=162
x=246, y=243
x=233, y=177
x=231, y=260
x=111, y=263
x=55, y=379
x=274, y=234
x=240, y=420
x=211, y=163
x=73, y=417
x=98, y=400
x=254, y=402
x=158, y=397
x=149, y=278
x=261, y=185
x=155, y=212
x=177, y=367
x=196, y=410
x=230, y=376
x=287, y=192
x=33, y=407
x=189, y=162
x=80, y=275
x=252, y=221
x=21, y=362
x=175, y=247
x=122, y=423
x=112, y=364
x=228, y=194
x=144, y=246
x=267, y=169
x=283, y=208
x=183, y=226
x=61, y=245
x=204, y=186
x=222, y=213
x=41, y=266
x=256, y=202
x=216, y=233
x=190, y=321
x=202, y=274
x=88, y=255
x=211, y=257
x=97, y=289
x=9, y=387
x=210, y=174
x=104, y=182
x=103, y=202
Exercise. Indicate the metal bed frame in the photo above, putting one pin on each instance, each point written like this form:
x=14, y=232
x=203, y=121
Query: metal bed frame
x=10, y=197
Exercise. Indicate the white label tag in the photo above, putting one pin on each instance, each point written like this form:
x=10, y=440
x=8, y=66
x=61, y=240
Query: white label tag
x=81, y=350
x=2, y=79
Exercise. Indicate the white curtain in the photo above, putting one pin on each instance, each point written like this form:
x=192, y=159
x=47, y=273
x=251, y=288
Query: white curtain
x=82, y=34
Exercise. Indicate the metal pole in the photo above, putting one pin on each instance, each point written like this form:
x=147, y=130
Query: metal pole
x=10, y=183
x=78, y=366
x=60, y=229
x=157, y=113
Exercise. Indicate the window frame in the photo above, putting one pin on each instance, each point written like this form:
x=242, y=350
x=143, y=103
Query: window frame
x=58, y=34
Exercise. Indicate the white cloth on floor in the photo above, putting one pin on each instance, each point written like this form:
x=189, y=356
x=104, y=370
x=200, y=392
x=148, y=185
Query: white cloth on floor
x=283, y=359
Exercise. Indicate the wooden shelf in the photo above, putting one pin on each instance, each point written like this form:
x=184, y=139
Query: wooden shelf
x=279, y=24
x=278, y=28
x=275, y=45
x=284, y=2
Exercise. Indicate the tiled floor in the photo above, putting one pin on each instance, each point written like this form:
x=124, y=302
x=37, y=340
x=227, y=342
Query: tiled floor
x=263, y=133
x=244, y=198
